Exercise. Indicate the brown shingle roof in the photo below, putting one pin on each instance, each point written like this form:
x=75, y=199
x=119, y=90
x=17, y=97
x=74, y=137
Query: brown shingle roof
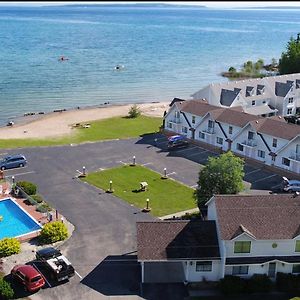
x=237, y=118
x=265, y=216
x=163, y=240
x=197, y=107
x=276, y=128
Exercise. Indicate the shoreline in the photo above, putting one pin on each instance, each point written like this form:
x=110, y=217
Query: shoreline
x=58, y=122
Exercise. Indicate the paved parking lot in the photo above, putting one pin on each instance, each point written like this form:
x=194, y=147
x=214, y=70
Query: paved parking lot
x=105, y=225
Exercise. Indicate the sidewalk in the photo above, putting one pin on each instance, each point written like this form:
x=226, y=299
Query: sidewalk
x=179, y=214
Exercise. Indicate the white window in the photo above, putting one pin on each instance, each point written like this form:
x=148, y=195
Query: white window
x=219, y=141
x=201, y=135
x=184, y=129
x=193, y=119
x=291, y=100
x=274, y=143
x=261, y=153
x=203, y=266
x=285, y=161
x=170, y=125
x=289, y=111
x=253, y=102
x=210, y=124
x=240, y=270
x=239, y=147
x=177, y=114
x=250, y=135
x=230, y=129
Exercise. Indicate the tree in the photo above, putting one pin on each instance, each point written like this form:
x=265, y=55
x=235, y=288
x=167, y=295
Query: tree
x=232, y=70
x=134, y=111
x=259, y=64
x=290, y=60
x=221, y=175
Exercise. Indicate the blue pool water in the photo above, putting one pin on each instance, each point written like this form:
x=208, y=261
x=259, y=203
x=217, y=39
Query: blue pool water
x=15, y=221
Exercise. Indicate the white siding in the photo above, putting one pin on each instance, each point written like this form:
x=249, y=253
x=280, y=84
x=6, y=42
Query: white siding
x=193, y=276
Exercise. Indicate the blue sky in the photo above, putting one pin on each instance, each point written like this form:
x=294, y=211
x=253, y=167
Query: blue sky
x=213, y=4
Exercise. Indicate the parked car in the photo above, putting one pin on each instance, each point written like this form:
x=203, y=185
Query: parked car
x=29, y=277
x=13, y=161
x=177, y=141
x=59, y=266
x=290, y=186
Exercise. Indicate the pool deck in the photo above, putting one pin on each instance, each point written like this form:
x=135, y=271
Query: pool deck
x=41, y=218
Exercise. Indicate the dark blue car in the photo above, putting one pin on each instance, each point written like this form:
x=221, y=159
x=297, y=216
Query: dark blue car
x=13, y=161
x=177, y=141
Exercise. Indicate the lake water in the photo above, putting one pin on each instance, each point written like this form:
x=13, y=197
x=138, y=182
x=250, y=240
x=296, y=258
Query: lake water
x=166, y=53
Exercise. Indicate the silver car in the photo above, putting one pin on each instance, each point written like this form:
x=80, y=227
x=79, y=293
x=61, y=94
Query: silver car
x=290, y=186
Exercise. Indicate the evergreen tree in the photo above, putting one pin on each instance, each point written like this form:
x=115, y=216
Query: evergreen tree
x=290, y=60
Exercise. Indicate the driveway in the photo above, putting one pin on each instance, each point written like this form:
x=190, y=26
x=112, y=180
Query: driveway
x=103, y=246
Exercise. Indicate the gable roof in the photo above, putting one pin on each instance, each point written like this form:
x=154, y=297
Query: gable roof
x=197, y=107
x=265, y=216
x=276, y=128
x=163, y=240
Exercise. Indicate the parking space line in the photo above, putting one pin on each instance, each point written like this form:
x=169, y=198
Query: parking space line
x=160, y=143
x=275, y=186
x=193, y=186
x=4, y=153
x=122, y=162
x=146, y=164
x=252, y=172
x=18, y=174
x=43, y=275
x=78, y=274
x=262, y=179
x=198, y=153
x=186, y=149
x=171, y=173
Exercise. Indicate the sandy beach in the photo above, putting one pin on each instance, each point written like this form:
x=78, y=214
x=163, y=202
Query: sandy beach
x=56, y=124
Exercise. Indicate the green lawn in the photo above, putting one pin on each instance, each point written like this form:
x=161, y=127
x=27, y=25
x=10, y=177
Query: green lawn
x=166, y=196
x=112, y=128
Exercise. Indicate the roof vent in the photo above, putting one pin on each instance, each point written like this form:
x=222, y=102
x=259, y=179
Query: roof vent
x=256, y=122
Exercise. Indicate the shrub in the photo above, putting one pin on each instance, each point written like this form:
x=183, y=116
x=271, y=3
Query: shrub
x=134, y=111
x=43, y=208
x=37, y=198
x=28, y=187
x=9, y=246
x=6, y=291
x=230, y=285
x=259, y=283
x=54, y=232
x=288, y=282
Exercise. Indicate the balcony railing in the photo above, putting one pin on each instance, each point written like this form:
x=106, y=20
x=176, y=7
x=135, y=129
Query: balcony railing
x=209, y=130
x=250, y=143
x=295, y=156
x=175, y=120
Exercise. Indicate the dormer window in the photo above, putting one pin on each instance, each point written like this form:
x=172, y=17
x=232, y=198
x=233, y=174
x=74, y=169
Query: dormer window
x=193, y=119
x=291, y=100
x=230, y=130
x=297, y=248
x=210, y=124
x=177, y=114
x=250, y=135
x=242, y=247
x=260, y=89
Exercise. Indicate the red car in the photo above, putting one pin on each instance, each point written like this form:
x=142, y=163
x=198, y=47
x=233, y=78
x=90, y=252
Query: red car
x=28, y=276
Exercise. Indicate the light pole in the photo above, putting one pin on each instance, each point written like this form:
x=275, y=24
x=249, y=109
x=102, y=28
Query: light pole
x=110, y=190
x=164, y=176
x=83, y=170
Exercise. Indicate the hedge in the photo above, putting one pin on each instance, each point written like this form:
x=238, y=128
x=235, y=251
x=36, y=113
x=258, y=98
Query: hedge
x=28, y=187
x=6, y=291
x=9, y=246
x=38, y=198
x=54, y=232
x=288, y=282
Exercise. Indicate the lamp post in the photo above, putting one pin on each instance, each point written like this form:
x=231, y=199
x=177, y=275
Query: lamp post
x=110, y=190
x=164, y=176
x=147, y=204
x=147, y=208
x=13, y=179
x=83, y=170
x=133, y=161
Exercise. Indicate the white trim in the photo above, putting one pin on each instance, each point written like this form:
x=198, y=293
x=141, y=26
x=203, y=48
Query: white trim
x=34, y=231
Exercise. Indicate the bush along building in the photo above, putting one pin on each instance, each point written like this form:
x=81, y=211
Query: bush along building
x=271, y=141
x=242, y=236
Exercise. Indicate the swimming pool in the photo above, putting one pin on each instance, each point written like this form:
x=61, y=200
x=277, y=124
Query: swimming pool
x=15, y=221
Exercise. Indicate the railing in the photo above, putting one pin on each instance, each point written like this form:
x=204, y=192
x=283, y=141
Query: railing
x=295, y=156
x=209, y=130
x=175, y=120
x=251, y=143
